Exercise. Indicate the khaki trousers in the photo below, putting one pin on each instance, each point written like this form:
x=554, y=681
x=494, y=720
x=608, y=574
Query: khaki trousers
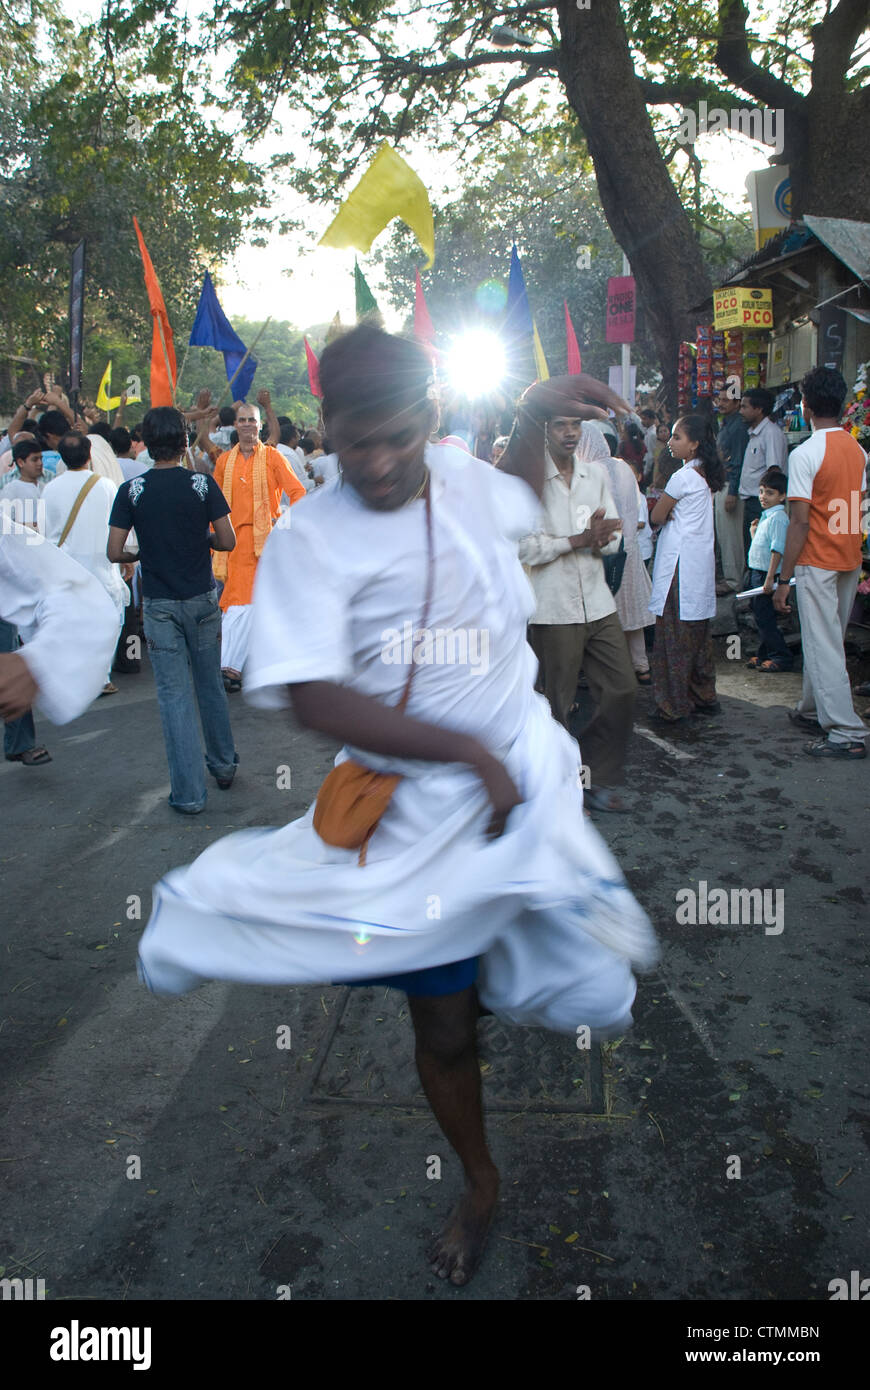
x=729, y=534
x=601, y=651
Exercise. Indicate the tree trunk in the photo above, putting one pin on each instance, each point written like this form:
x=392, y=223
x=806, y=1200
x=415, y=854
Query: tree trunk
x=639, y=199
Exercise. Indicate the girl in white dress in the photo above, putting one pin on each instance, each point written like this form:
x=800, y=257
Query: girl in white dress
x=684, y=577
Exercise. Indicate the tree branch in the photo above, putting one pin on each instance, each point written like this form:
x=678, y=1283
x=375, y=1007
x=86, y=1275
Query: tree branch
x=734, y=59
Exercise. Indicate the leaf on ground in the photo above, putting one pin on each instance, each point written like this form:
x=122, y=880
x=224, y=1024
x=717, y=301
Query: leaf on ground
x=569, y=1240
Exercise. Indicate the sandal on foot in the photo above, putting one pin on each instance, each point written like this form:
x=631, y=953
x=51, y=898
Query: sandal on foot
x=30, y=757
x=753, y=663
x=803, y=721
x=824, y=748
x=773, y=665
x=643, y=677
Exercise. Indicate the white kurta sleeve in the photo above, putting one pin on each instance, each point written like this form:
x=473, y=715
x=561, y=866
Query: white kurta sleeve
x=300, y=630
x=540, y=548
x=65, y=618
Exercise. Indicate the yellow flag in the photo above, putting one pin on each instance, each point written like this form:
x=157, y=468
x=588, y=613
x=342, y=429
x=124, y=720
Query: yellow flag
x=540, y=360
x=104, y=401
x=389, y=188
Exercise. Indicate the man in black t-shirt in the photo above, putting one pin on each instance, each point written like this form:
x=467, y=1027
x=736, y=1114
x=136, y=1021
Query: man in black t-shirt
x=179, y=518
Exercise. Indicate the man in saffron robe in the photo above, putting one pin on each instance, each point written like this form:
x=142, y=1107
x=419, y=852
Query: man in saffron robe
x=252, y=476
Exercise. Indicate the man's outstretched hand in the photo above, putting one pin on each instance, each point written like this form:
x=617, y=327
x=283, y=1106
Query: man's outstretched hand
x=581, y=397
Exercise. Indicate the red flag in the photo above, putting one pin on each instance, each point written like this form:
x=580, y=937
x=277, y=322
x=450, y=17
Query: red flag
x=162, y=380
x=422, y=322
x=574, y=367
x=313, y=370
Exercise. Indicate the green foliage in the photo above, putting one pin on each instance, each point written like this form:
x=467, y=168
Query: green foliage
x=86, y=140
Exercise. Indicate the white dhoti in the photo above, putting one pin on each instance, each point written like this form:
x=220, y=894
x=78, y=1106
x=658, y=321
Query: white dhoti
x=236, y=637
x=545, y=904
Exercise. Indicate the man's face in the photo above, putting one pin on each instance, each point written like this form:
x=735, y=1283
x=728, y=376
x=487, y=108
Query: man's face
x=725, y=404
x=381, y=455
x=563, y=434
x=752, y=414
x=248, y=426
x=30, y=468
x=647, y=419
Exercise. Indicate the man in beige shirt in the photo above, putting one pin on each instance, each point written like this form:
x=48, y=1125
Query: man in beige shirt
x=575, y=624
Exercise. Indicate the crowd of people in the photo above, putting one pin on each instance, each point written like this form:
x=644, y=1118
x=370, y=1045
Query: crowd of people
x=681, y=513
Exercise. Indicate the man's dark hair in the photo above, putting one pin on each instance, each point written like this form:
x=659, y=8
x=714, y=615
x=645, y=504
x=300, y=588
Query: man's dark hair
x=30, y=426
x=227, y=415
x=102, y=429
x=775, y=478
x=136, y=433
x=75, y=450
x=366, y=371
x=53, y=422
x=307, y=445
x=289, y=432
x=120, y=440
x=824, y=391
x=164, y=433
x=24, y=448
x=760, y=398
x=648, y=410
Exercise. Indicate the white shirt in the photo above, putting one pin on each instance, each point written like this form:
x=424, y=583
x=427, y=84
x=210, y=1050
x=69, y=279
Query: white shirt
x=767, y=448
x=569, y=585
x=89, y=536
x=134, y=468
x=365, y=581
x=644, y=536
x=66, y=621
x=687, y=538
x=292, y=457
x=327, y=467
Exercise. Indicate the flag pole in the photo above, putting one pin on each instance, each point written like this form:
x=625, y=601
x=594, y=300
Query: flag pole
x=229, y=385
x=183, y=363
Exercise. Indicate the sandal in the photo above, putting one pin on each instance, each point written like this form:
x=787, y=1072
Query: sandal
x=643, y=677
x=773, y=665
x=753, y=663
x=825, y=749
x=30, y=756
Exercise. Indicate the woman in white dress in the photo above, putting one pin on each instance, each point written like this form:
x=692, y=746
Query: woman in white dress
x=684, y=577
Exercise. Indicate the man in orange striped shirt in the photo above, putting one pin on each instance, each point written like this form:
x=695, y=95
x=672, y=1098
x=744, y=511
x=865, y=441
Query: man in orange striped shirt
x=826, y=486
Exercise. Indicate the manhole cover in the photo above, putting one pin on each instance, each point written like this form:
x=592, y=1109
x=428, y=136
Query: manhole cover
x=367, y=1058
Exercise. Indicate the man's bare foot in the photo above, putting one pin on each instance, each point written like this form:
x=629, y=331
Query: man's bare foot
x=456, y=1252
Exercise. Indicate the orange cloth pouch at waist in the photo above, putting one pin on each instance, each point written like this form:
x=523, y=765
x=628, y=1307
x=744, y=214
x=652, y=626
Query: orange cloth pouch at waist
x=352, y=798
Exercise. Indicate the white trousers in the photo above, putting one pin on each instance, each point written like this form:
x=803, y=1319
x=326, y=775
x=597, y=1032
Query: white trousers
x=235, y=637
x=637, y=649
x=729, y=534
x=825, y=599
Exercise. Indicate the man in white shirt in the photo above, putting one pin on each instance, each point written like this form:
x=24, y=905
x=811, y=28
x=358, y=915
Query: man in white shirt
x=21, y=496
x=484, y=824
x=649, y=423
x=86, y=538
x=288, y=446
x=766, y=448
x=575, y=624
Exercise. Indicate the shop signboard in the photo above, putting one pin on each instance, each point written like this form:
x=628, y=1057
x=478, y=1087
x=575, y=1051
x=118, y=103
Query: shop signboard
x=739, y=307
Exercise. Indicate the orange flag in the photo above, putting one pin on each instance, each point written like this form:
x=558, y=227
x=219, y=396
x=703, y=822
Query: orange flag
x=163, y=367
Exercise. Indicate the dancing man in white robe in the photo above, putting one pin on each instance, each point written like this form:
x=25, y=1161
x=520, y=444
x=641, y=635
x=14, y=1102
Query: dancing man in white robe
x=486, y=821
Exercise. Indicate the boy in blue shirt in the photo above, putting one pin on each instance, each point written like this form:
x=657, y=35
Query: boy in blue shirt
x=765, y=560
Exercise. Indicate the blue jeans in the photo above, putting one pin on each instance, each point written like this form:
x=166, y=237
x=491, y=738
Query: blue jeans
x=19, y=735
x=184, y=645
x=773, y=645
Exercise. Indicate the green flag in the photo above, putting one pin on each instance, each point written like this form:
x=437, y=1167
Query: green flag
x=366, y=304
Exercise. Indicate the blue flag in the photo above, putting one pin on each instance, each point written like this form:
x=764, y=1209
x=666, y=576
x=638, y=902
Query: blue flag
x=518, y=316
x=212, y=328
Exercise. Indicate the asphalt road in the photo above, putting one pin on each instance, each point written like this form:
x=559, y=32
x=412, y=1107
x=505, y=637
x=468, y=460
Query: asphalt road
x=717, y=1151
